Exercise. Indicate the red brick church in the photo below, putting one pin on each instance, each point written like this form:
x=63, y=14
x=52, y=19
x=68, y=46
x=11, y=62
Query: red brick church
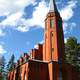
x=46, y=62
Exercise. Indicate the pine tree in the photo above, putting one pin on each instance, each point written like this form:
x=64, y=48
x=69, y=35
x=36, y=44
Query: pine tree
x=10, y=63
x=2, y=68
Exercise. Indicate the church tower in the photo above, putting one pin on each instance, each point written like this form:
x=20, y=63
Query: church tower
x=53, y=48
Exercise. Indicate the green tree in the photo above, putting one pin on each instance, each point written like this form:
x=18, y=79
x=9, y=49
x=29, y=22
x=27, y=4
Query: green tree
x=72, y=52
x=10, y=63
x=2, y=68
x=78, y=58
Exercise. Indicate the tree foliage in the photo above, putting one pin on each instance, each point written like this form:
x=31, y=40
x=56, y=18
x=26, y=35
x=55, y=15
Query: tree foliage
x=72, y=52
x=2, y=68
x=11, y=63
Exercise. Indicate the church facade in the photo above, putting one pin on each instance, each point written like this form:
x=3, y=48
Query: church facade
x=46, y=62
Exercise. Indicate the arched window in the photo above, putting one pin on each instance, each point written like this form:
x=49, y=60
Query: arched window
x=51, y=23
x=45, y=25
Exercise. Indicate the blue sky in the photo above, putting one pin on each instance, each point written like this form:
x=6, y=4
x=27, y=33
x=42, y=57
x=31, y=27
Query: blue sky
x=22, y=23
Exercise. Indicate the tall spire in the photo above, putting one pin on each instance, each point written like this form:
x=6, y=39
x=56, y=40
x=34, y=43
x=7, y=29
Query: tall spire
x=52, y=6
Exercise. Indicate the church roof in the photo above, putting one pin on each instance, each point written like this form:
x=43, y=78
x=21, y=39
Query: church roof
x=52, y=6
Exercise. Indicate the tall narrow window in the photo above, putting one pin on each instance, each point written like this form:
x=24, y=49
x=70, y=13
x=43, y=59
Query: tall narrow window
x=45, y=28
x=45, y=25
x=52, y=41
x=51, y=23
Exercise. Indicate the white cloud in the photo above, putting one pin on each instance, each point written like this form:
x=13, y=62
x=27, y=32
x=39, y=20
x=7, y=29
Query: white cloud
x=13, y=6
x=15, y=20
x=65, y=40
x=68, y=27
x=2, y=42
x=41, y=42
x=22, y=29
x=36, y=46
x=12, y=20
x=73, y=25
x=2, y=33
x=37, y=19
x=2, y=50
x=65, y=26
x=38, y=15
x=67, y=12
